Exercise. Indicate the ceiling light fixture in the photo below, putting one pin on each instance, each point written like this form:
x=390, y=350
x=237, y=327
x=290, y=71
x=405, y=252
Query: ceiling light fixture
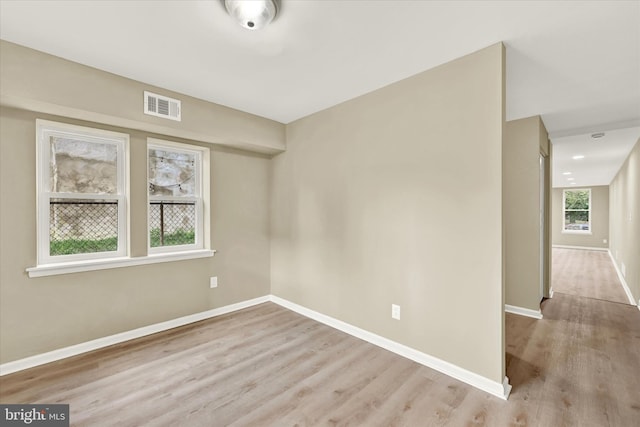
x=566, y=173
x=597, y=135
x=571, y=179
x=252, y=14
x=578, y=157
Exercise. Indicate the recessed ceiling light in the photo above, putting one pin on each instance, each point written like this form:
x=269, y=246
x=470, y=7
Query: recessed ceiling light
x=566, y=173
x=571, y=179
x=597, y=135
x=578, y=157
x=573, y=183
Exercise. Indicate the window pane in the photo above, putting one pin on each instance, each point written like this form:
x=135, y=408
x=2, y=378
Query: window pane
x=172, y=173
x=576, y=199
x=82, y=226
x=576, y=220
x=78, y=166
x=172, y=223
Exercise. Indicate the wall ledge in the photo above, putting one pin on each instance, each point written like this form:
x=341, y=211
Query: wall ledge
x=37, y=106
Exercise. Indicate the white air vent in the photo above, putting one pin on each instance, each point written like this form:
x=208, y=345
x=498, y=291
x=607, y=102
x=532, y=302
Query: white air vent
x=161, y=106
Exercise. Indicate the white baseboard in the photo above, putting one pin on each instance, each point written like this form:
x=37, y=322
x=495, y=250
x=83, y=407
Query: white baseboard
x=74, y=350
x=585, y=248
x=627, y=291
x=536, y=314
x=500, y=390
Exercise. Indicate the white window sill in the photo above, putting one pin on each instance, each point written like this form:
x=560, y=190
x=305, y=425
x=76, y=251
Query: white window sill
x=103, y=264
x=587, y=232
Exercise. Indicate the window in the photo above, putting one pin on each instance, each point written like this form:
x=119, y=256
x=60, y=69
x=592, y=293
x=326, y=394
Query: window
x=82, y=193
x=577, y=211
x=83, y=200
x=176, y=180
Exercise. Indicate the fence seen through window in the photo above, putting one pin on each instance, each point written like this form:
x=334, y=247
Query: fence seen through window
x=174, y=195
x=172, y=223
x=82, y=226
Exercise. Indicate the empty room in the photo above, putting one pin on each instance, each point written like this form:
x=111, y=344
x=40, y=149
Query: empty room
x=320, y=213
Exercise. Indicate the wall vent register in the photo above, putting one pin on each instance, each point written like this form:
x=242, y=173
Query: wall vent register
x=162, y=106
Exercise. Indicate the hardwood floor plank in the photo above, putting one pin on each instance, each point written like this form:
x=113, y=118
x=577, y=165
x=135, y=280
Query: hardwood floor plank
x=267, y=366
x=586, y=273
x=344, y=376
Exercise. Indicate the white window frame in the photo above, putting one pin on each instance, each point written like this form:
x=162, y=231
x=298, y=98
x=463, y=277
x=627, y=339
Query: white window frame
x=201, y=175
x=44, y=131
x=564, y=214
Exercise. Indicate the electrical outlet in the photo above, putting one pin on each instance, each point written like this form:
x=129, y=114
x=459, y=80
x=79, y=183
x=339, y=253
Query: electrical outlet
x=395, y=311
x=213, y=282
x=604, y=241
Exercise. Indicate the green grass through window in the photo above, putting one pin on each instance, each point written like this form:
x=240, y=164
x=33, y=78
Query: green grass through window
x=83, y=246
x=86, y=246
x=179, y=237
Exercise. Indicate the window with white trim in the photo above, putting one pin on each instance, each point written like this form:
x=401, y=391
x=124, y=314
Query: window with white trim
x=576, y=210
x=82, y=193
x=176, y=190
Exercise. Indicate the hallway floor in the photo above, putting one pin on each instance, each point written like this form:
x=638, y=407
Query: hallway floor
x=586, y=273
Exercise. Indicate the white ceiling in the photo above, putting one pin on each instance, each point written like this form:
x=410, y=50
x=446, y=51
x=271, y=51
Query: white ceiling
x=575, y=63
x=603, y=157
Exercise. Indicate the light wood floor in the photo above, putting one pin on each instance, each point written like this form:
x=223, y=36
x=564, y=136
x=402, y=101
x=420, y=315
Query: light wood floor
x=267, y=366
x=586, y=273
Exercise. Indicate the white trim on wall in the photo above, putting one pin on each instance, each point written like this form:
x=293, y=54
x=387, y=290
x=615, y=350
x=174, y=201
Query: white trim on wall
x=500, y=390
x=536, y=314
x=74, y=350
x=584, y=248
x=105, y=264
x=624, y=282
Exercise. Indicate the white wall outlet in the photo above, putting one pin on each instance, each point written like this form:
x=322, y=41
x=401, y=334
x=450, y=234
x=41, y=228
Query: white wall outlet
x=213, y=282
x=604, y=241
x=395, y=311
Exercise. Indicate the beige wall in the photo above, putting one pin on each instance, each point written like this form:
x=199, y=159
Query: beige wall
x=599, y=220
x=46, y=313
x=624, y=203
x=395, y=198
x=36, y=81
x=524, y=141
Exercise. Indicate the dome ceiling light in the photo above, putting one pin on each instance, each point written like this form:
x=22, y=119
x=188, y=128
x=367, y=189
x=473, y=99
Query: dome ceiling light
x=252, y=14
